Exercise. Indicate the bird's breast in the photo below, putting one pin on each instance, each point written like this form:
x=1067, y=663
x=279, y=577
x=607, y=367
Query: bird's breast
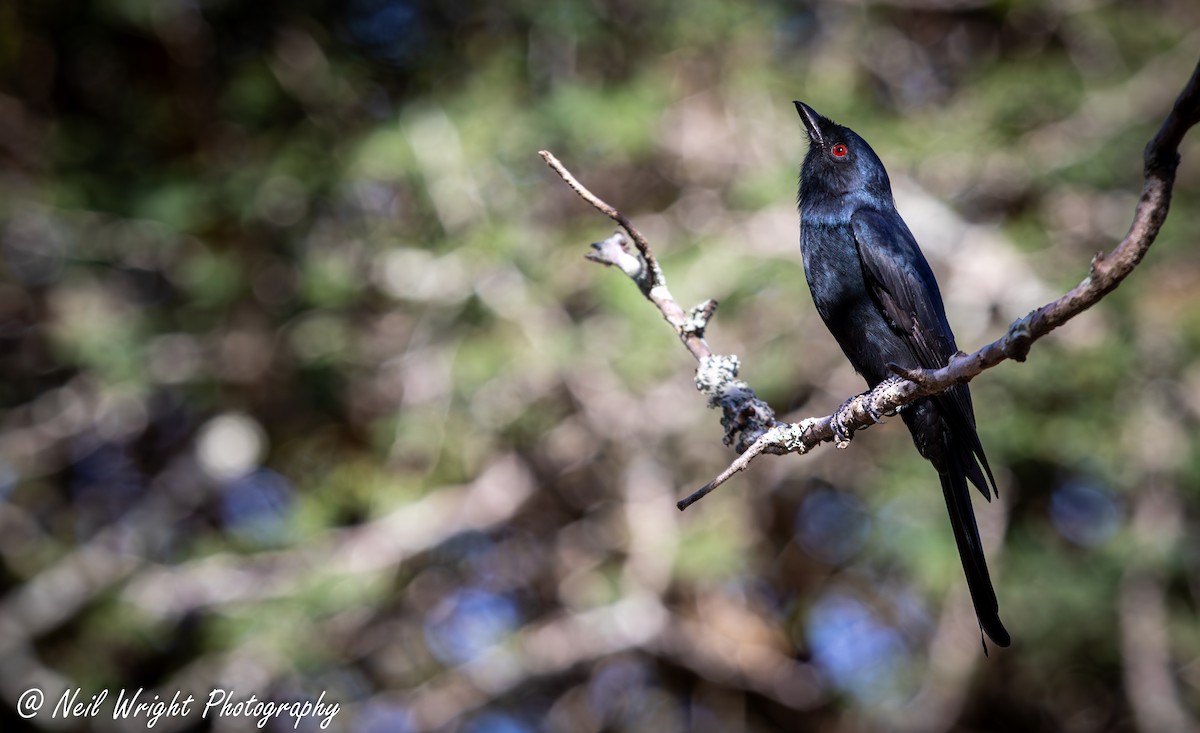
x=839, y=291
x=832, y=267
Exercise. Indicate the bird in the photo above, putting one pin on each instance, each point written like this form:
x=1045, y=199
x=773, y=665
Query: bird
x=877, y=295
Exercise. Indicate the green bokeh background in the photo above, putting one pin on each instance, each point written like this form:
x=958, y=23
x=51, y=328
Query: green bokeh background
x=305, y=385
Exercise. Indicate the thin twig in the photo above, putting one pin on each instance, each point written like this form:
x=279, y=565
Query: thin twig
x=611, y=212
x=750, y=424
x=739, y=464
x=646, y=273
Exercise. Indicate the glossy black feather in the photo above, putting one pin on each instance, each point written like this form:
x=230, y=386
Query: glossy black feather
x=878, y=297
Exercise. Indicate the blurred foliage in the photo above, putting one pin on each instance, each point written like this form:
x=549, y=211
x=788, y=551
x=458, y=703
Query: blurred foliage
x=305, y=385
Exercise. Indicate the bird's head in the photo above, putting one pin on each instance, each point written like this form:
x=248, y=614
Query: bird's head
x=840, y=167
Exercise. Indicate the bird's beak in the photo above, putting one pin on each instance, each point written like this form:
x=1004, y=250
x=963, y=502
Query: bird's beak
x=812, y=122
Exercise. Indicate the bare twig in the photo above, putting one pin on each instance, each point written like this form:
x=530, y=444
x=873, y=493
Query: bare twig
x=751, y=425
x=783, y=438
x=646, y=272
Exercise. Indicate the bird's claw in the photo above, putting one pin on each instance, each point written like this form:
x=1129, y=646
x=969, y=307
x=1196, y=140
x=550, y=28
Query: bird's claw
x=876, y=416
x=875, y=392
x=842, y=417
x=842, y=432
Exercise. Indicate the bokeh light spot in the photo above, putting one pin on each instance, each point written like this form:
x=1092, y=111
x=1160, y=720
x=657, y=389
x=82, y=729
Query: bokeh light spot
x=230, y=445
x=468, y=622
x=832, y=526
x=1084, y=513
x=861, y=654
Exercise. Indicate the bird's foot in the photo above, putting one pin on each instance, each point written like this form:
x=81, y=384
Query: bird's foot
x=843, y=417
x=878, y=391
x=842, y=430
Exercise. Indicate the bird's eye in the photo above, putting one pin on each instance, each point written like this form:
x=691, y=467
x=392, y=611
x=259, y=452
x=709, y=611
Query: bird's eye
x=839, y=151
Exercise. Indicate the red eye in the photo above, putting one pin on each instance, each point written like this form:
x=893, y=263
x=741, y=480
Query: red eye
x=839, y=151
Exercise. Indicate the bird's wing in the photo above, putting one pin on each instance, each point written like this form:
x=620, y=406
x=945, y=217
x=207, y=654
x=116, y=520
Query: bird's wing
x=903, y=286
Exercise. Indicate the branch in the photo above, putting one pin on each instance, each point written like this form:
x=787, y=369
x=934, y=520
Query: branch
x=750, y=424
x=744, y=415
x=642, y=268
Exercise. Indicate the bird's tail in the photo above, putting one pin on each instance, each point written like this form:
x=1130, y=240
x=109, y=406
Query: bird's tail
x=952, y=446
x=970, y=548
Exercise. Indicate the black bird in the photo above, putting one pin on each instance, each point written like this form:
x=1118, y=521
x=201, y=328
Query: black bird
x=879, y=299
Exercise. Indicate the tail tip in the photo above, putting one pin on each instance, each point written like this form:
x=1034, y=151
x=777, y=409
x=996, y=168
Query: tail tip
x=995, y=631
